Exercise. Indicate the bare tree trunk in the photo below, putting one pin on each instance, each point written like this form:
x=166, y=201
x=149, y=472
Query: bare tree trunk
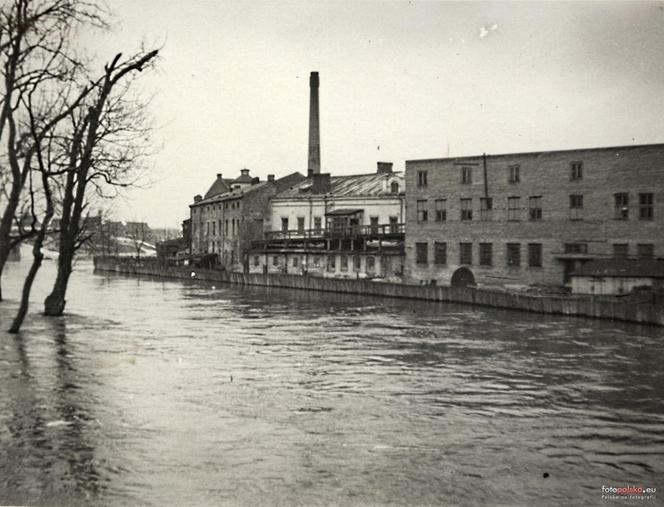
x=54, y=304
x=38, y=256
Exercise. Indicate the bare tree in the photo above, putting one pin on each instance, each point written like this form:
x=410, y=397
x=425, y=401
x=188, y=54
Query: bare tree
x=35, y=58
x=102, y=152
x=139, y=235
x=43, y=156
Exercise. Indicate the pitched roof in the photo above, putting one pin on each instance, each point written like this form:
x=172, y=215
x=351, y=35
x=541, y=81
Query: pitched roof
x=235, y=194
x=219, y=186
x=373, y=184
x=629, y=268
x=243, y=178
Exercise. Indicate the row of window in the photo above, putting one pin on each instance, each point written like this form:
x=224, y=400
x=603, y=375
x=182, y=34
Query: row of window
x=513, y=174
x=466, y=257
x=216, y=227
x=646, y=207
x=212, y=207
x=331, y=262
x=318, y=224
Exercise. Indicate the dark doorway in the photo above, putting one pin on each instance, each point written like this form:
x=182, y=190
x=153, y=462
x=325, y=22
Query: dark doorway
x=463, y=277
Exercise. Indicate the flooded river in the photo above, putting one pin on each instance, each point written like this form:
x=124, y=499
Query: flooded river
x=163, y=392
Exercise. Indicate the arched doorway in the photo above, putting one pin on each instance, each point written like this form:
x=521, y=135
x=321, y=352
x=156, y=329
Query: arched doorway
x=463, y=277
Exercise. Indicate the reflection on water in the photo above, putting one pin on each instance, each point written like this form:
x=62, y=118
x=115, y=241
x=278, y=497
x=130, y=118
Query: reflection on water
x=167, y=392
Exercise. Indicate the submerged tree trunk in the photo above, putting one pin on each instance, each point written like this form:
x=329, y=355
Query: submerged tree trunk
x=54, y=304
x=38, y=256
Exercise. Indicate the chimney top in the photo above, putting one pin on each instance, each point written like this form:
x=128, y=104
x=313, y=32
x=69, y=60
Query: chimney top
x=218, y=176
x=313, y=80
x=198, y=198
x=384, y=168
x=270, y=177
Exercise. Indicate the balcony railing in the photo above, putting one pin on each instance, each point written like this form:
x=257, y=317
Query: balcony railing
x=339, y=232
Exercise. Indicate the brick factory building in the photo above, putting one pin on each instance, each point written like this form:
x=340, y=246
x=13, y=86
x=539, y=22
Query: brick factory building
x=531, y=218
x=234, y=213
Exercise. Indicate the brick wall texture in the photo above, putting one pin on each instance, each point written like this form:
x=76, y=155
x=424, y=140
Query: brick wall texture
x=596, y=226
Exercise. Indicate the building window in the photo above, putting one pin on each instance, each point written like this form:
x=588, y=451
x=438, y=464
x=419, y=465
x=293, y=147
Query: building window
x=486, y=254
x=441, y=210
x=356, y=262
x=514, y=175
x=373, y=222
x=576, y=171
x=486, y=208
x=514, y=208
x=646, y=206
x=394, y=187
x=296, y=261
x=422, y=253
x=257, y=260
x=535, y=207
x=422, y=211
x=466, y=175
x=331, y=263
x=621, y=206
x=620, y=250
x=466, y=209
x=513, y=254
x=344, y=263
x=275, y=260
x=226, y=227
x=465, y=253
x=316, y=261
x=394, y=225
x=207, y=228
x=214, y=228
x=421, y=178
x=318, y=225
x=576, y=248
x=646, y=250
x=284, y=224
x=300, y=225
x=371, y=264
x=440, y=253
x=535, y=255
x=576, y=207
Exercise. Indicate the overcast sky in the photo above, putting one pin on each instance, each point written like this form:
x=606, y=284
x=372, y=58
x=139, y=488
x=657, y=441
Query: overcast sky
x=399, y=81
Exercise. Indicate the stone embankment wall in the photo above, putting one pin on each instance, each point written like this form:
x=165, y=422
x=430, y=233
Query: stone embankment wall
x=586, y=306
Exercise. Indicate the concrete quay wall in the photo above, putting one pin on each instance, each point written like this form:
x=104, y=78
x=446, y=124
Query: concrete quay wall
x=584, y=306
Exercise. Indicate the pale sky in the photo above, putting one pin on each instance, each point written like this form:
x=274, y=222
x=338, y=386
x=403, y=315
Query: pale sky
x=399, y=81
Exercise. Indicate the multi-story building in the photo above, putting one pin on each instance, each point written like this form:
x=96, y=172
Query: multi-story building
x=341, y=226
x=224, y=224
x=531, y=218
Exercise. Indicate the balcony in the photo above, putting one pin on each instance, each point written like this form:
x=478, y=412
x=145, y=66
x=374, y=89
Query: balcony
x=350, y=238
x=352, y=231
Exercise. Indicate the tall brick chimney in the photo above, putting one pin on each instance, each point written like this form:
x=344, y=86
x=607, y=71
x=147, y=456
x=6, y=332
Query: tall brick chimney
x=313, y=166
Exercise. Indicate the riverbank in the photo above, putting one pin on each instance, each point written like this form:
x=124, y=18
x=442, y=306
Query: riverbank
x=582, y=306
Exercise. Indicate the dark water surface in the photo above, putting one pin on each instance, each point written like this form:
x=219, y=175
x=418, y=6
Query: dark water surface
x=171, y=393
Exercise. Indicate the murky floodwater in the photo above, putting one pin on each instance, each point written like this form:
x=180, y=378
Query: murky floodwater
x=170, y=393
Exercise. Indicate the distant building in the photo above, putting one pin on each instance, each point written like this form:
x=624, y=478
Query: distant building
x=531, y=218
x=337, y=226
x=224, y=225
